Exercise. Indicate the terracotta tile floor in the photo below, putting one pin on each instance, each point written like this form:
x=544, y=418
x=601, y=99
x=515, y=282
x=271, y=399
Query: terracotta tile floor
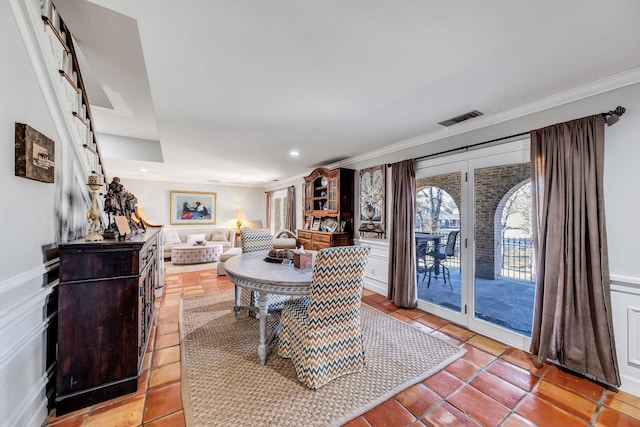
x=492, y=385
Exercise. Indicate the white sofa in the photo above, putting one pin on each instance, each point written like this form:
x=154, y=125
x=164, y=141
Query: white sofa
x=178, y=235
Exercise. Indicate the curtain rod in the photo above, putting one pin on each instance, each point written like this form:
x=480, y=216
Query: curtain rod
x=610, y=118
x=278, y=189
x=467, y=147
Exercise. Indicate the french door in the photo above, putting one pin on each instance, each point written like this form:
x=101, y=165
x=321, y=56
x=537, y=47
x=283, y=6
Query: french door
x=485, y=279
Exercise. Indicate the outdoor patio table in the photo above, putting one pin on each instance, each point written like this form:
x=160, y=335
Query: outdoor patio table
x=435, y=238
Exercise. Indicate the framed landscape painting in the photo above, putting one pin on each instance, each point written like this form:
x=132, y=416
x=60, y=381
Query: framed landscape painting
x=192, y=207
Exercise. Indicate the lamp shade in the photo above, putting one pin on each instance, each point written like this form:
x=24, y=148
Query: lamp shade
x=239, y=214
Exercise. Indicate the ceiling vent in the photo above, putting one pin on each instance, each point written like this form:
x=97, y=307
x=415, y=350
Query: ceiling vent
x=462, y=118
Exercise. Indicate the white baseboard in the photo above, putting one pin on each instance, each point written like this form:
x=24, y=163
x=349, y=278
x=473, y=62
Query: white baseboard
x=630, y=385
x=375, y=286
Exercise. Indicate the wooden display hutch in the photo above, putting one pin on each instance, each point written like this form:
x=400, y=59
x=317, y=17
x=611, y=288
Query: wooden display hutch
x=328, y=209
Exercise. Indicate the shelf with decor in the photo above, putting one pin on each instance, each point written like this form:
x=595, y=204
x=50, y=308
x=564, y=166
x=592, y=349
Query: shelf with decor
x=328, y=209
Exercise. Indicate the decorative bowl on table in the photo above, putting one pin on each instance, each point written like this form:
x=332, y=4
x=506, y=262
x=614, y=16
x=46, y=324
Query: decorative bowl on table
x=279, y=255
x=199, y=242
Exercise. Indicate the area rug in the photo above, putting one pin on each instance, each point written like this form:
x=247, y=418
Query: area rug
x=223, y=383
x=170, y=268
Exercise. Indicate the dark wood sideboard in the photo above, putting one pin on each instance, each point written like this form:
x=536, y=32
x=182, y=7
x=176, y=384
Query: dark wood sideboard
x=105, y=312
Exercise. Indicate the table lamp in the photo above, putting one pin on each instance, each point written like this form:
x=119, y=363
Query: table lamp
x=239, y=215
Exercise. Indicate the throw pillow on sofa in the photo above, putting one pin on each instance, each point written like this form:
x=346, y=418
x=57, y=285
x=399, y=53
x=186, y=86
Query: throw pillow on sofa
x=193, y=238
x=219, y=235
x=171, y=237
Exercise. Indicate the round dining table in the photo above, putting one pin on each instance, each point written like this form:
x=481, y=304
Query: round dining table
x=252, y=272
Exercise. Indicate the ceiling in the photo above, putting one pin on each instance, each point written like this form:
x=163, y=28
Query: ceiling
x=222, y=91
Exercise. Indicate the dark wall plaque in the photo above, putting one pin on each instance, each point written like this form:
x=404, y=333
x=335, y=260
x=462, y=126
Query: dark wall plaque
x=35, y=154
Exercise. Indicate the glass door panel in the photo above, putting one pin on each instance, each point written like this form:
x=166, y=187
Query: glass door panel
x=439, y=261
x=333, y=199
x=504, y=287
x=483, y=196
x=503, y=266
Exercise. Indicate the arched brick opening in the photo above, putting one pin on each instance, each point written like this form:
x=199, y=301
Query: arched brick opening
x=449, y=182
x=491, y=186
x=497, y=224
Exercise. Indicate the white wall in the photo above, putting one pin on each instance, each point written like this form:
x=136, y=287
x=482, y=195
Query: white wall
x=28, y=207
x=36, y=216
x=153, y=199
x=29, y=225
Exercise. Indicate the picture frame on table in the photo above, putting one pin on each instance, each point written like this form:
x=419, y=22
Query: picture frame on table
x=192, y=207
x=343, y=225
x=307, y=225
x=316, y=224
x=330, y=225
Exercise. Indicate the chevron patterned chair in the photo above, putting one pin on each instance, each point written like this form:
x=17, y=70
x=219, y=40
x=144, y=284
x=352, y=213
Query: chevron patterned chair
x=321, y=333
x=253, y=240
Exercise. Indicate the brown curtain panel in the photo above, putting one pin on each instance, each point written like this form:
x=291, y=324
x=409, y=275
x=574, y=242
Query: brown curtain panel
x=290, y=210
x=269, y=208
x=572, y=317
x=402, y=252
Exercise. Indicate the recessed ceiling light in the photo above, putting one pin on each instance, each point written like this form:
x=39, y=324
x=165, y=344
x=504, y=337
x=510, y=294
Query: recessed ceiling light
x=143, y=170
x=294, y=153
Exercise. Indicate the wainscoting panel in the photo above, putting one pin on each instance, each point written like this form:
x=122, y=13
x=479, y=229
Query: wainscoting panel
x=633, y=328
x=376, y=274
x=27, y=355
x=625, y=302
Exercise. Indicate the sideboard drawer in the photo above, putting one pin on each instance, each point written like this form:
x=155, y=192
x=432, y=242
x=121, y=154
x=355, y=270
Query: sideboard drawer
x=78, y=265
x=304, y=234
x=316, y=240
x=325, y=238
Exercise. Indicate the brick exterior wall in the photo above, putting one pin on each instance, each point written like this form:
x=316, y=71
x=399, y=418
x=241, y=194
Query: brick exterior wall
x=492, y=185
x=449, y=182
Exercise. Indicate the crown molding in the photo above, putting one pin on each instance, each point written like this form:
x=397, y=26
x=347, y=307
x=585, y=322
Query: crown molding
x=577, y=93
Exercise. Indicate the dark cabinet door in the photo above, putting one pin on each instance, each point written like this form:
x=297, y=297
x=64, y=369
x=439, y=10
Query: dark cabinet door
x=97, y=333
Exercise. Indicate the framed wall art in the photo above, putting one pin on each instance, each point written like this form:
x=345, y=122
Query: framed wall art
x=373, y=202
x=192, y=207
x=35, y=154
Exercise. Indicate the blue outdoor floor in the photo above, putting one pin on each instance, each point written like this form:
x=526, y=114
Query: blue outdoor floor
x=503, y=302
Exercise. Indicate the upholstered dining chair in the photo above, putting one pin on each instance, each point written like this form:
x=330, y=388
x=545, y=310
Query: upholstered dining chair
x=253, y=240
x=321, y=333
x=256, y=239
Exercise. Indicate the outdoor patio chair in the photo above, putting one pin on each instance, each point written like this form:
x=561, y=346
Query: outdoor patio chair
x=422, y=267
x=253, y=240
x=440, y=256
x=321, y=333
